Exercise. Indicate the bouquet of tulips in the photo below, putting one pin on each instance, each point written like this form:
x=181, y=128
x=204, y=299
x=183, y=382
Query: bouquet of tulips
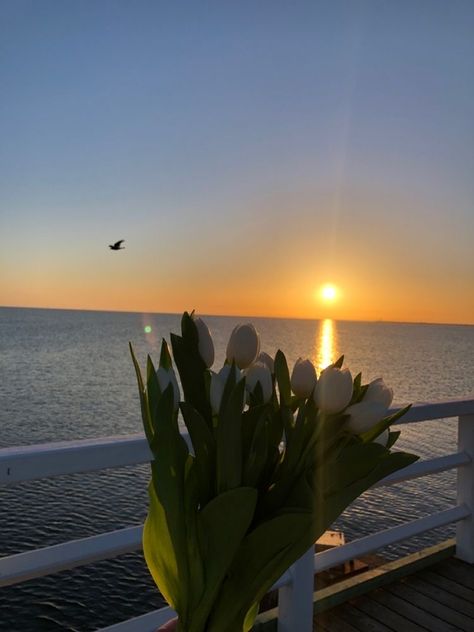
x=273, y=461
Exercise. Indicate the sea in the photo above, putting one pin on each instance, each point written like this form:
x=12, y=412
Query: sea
x=68, y=375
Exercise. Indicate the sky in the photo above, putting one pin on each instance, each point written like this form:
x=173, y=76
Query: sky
x=247, y=152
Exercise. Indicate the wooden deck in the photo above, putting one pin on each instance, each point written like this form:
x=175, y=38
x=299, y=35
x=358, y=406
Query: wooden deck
x=437, y=599
x=426, y=591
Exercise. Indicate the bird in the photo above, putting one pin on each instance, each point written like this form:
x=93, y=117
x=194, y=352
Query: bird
x=117, y=245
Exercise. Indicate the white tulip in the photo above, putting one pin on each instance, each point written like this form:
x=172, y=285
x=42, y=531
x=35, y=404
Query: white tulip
x=383, y=438
x=303, y=378
x=333, y=390
x=266, y=359
x=218, y=382
x=205, y=344
x=259, y=373
x=166, y=377
x=364, y=415
x=243, y=346
x=378, y=391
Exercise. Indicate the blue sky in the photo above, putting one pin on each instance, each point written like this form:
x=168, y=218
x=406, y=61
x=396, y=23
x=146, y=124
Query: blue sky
x=296, y=137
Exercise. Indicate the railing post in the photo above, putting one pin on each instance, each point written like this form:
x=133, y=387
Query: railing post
x=295, y=601
x=465, y=494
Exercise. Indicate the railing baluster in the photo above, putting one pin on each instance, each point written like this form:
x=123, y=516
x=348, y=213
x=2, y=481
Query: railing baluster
x=465, y=492
x=295, y=600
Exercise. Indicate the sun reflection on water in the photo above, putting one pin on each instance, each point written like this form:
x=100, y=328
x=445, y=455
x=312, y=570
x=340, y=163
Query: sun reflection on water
x=326, y=345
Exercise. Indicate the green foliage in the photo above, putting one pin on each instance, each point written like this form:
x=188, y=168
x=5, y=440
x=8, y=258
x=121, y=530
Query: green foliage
x=263, y=482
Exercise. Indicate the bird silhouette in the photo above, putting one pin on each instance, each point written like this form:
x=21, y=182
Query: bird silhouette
x=117, y=245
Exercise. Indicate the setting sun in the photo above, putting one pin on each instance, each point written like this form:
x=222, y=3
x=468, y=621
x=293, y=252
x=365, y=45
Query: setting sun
x=329, y=293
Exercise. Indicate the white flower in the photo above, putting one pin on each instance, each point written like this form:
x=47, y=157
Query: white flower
x=259, y=373
x=333, y=390
x=303, y=378
x=266, y=359
x=243, y=345
x=218, y=382
x=364, y=415
x=378, y=391
x=165, y=377
x=205, y=344
x=383, y=438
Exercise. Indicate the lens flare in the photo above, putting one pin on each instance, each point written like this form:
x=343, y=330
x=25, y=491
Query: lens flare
x=147, y=329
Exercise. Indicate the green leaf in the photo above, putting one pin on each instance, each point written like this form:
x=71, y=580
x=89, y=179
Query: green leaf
x=256, y=396
x=356, y=389
x=338, y=363
x=222, y=526
x=195, y=561
x=165, y=357
x=256, y=460
x=164, y=539
x=250, y=617
x=334, y=504
x=260, y=560
x=382, y=425
x=189, y=331
x=146, y=417
x=229, y=386
x=204, y=449
x=355, y=462
x=392, y=439
x=229, y=441
x=250, y=419
x=192, y=372
x=153, y=392
x=282, y=376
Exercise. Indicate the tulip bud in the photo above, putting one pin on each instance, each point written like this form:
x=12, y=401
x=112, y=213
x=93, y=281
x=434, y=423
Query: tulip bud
x=303, y=378
x=218, y=382
x=205, y=344
x=333, y=390
x=259, y=373
x=383, y=438
x=165, y=377
x=364, y=415
x=378, y=391
x=243, y=346
x=266, y=359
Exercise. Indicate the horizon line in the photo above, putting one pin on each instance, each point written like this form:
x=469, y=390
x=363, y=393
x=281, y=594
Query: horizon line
x=164, y=313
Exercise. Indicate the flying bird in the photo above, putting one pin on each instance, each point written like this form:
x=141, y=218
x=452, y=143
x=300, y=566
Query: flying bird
x=117, y=245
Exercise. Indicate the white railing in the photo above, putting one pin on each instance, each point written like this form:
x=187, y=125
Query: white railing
x=295, y=587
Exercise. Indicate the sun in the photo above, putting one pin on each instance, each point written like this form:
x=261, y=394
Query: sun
x=329, y=293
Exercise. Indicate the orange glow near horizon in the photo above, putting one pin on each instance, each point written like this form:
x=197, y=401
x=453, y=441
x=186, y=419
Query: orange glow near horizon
x=138, y=284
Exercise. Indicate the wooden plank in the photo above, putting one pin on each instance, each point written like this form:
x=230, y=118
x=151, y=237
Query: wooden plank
x=446, y=614
x=385, y=615
x=441, y=596
x=331, y=622
x=411, y=612
x=457, y=571
x=360, y=620
x=335, y=594
x=448, y=585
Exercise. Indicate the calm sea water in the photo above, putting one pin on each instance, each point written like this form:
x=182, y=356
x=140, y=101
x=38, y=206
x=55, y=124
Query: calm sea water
x=68, y=375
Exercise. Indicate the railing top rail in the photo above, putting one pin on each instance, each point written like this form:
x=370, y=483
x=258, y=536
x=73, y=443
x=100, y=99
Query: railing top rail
x=22, y=463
